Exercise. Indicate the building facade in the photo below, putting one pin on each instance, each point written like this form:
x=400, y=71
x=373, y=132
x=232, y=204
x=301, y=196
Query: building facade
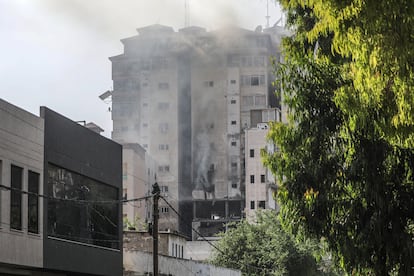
x=21, y=169
x=138, y=176
x=186, y=97
x=60, y=198
x=261, y=186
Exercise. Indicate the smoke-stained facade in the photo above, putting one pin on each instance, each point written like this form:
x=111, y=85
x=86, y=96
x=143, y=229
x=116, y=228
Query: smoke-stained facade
x=186, y=97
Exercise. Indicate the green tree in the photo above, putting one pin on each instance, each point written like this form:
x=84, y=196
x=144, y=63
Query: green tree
x=345, y=160
x=264, y=248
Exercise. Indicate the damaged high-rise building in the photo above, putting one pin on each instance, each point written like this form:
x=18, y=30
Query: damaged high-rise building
x=186, y=97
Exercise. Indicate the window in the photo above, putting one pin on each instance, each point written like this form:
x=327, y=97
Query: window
x=233, y=122
x=262, y=178
x=163, y=147
x=163, y=86
x=145, y=125
x=233, y=81
x=259, y=61
x=16, y=198
x=163, y=127
x=209, y=84
x=125, y=194
x=252, y=153
x=164, y=189
x=252, y=205
x=252, y=80
x=247, y=100
x=252, y=178
x=233, y=143
x=234, y=167
x=164, y=168
x=164, y=210
x=33, y=203
x=234, y=185
x=262, y=204
x=232, y=101
x=93, y=223
x=163, y=106
x=145, y=104
x=260, y=100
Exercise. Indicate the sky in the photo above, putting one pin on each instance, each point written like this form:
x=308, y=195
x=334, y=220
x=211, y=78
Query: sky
x=55, y=53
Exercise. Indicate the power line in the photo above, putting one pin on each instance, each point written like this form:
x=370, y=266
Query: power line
x=81, y=201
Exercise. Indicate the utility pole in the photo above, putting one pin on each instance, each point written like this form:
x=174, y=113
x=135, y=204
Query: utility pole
x=155, y=216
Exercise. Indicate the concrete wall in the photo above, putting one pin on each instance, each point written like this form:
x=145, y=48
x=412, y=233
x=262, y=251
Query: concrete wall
x=142, y=241
x=199, y=250
x=139, y=263
x=21, y=144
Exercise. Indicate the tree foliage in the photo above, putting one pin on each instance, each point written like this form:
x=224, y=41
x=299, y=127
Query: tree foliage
x=264, y=248
x=345, y=160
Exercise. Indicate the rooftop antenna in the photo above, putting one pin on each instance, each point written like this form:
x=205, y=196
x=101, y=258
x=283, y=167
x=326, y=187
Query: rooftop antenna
x=267, y=14
x=186, y=13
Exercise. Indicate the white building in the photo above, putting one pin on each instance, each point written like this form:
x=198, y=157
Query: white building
x=138, y=176
x=260, y=182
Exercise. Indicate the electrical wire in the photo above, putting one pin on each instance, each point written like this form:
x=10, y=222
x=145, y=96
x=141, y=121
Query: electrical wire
x=80, y=201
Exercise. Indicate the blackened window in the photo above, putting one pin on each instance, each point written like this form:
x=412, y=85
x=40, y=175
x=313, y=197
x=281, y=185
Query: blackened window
x=262, y=178
x=262, y=204
x=16, y=198
x=232, y=101
x=252, y=153
x=33, y=203
x=233, y=122
x=234, y=185
x=252, y=205
x=81, y=209
x=233, y=143
x=252, y=178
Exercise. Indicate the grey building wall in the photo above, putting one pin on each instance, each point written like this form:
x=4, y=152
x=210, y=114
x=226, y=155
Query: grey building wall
x=21, y=144
x=80, y=150
x=206, y=84
x=140, y=263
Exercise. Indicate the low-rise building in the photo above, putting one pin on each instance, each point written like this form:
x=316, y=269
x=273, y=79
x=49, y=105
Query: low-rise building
x=60, y=194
